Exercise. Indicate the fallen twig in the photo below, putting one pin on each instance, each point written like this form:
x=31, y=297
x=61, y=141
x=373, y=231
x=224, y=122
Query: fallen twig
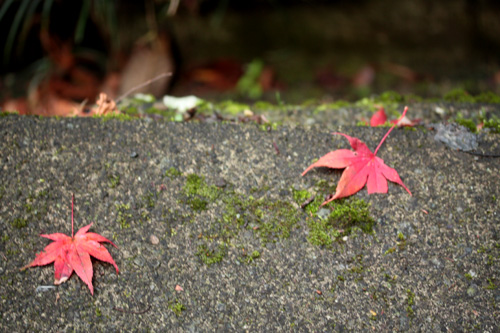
x=142, y=85
x=474, y=153
x=307, y=202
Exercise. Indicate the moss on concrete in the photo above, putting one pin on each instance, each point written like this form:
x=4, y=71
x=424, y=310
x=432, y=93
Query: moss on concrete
x=209, y=255
x=177, y=307
x=493, y=124
x=250, y=258
x=19, y=223
x=172, y=173
x=345, y=216
x=196, y=185
x=198, y=193
x=410, y=302
x=292, y=281
x=123, y=215
x=276, y=219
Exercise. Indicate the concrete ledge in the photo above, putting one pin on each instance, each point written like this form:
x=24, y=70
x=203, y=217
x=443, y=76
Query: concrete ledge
x=431, y=264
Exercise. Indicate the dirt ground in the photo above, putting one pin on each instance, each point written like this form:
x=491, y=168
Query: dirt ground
x=213, y=208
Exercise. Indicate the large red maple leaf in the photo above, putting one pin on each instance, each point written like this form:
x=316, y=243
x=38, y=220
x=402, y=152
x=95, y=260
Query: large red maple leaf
x=361, y=167
x=73, y=253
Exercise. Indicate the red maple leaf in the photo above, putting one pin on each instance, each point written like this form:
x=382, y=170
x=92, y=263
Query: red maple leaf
x=73, y=253
x=380, y=118
x=361, y=167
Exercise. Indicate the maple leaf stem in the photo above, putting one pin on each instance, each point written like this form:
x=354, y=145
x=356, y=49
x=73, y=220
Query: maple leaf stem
x=389, y=131
x=72, y=201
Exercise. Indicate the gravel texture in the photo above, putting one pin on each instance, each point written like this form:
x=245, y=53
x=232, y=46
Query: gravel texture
x=432, y=263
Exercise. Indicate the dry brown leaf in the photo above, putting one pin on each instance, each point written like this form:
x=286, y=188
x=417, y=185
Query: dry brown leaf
x=147, y=60
x=104, y=105
x=43, y=102
x=19, y=104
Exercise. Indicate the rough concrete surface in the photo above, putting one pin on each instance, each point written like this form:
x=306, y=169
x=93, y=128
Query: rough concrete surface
x=431, y=264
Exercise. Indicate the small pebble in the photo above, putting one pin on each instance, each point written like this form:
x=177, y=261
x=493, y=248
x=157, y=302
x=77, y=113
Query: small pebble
x=154, y=240
x=134, y=155
x=436, y=262
x=472, y=273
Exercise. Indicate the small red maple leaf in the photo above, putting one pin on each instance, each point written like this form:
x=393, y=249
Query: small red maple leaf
x=361, y=167
x=380, y=118
x=73, y=253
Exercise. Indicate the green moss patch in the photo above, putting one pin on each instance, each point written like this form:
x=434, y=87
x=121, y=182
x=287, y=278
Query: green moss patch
x=303, y=197
x=230, y=107
x=300, y=196
x=198, y=193
x=270, y=220
x=19, y=223
x=275, y=220
x=123, y=215
x=172, y=173
x=211, y=255
x=410, y=301
x=321, y=233
x=177, y=307
x=115, y=116
x=149, y=200
x=114, y=180
x=346, y=215
x=350, y=213
x=250, y=258
x=493, y=123
x=467, y=123
x=459, y=95
x=196, y=185
x=336, y=219
x=488, y=97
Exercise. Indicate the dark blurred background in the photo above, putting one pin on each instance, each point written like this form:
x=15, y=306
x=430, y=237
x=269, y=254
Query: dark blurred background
x=58, y=53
